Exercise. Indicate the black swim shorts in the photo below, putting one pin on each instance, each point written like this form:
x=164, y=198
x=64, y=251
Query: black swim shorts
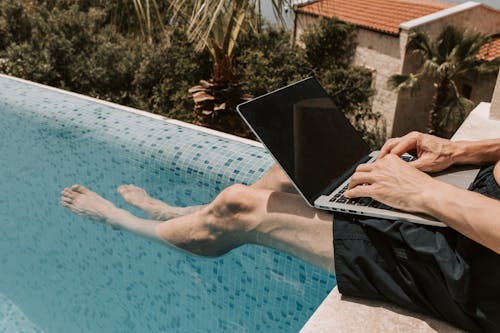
x=432, y=270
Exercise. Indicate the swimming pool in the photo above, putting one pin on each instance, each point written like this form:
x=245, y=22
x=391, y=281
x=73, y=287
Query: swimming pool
x=60, y=273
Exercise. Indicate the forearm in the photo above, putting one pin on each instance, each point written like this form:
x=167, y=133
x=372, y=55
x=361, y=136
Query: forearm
x=476, y=152
x=473, y=215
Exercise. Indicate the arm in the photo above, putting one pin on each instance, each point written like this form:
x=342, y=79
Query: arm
x=396, y=183
x=472, y=214
x=436, y=154
x=476, y=152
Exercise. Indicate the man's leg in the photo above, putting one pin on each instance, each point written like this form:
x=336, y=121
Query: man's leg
x=239, y=215
x=274, y=179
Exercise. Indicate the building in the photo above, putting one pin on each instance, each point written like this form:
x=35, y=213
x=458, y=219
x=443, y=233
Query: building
x=384, y=27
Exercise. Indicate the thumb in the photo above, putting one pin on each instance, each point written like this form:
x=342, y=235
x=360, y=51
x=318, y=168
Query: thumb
x=423, y=163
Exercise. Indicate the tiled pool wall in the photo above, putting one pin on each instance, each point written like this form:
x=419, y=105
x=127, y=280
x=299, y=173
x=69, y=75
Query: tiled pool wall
x=214, y=162
x=176, y=153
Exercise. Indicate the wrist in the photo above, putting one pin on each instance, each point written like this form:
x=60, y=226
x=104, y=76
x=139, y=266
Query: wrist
x=431, y=200
x=458, y=152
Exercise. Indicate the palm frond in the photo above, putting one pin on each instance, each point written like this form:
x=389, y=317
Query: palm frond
x=469, y=46
x=447, y=41
x=221, y=20
x=454, y=112
x=422, y=45
x=144, y=12
x=446, y=69
x=430, y=67
x=408, y=82
x=449, y=59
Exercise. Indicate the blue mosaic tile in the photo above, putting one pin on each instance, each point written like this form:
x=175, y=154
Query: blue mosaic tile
x=61, y=273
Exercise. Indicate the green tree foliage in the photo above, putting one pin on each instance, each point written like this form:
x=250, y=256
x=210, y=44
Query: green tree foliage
x=331, y=44
x=74, y=45
x=267, y=61
x=329, y=49
x=448, y=60
x=87, y=47
x=75, y=50
x=14, y=24
x=165, y=75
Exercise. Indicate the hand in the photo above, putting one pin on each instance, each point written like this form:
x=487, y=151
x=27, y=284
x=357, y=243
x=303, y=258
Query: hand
x=434, y=154
x=393, y=182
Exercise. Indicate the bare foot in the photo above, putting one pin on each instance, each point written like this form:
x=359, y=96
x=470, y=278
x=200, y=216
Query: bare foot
x=156, y=209
x=139, y=198
x=87, y=204
x=135, y=196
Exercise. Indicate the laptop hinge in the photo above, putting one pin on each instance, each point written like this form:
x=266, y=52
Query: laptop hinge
x=345, y=175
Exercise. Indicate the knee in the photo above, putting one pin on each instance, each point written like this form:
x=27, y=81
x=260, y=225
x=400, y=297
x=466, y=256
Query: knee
x=234, y=200
x=235, y=211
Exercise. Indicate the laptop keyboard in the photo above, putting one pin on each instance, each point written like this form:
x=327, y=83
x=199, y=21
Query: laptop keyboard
x=366, y=202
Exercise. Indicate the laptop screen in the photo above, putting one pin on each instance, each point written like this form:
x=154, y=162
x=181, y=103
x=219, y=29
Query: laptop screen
x=309, y=137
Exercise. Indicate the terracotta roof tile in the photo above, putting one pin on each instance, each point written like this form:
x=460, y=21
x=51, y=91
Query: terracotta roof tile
x=490, y=50
x=382, y=15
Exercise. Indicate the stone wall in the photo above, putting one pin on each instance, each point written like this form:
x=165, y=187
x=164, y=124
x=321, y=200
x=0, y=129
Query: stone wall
x=495, y=101
x=381, y=53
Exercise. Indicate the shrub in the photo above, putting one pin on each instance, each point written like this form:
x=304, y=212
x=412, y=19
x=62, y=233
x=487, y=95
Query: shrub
x=70, y=49
x=72, y=45
x=268, y=61
x=166, y=73
x=331, y=44
x=15, y=24
x=87, y=47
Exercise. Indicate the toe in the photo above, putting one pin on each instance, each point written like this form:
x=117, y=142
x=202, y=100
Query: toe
x=67, y=193
x=122, y=189
x=66, y=200
x=67, y=205
x=79, y=188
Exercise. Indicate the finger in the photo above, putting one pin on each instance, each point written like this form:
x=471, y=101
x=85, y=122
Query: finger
x=360, y=178
x=359, y=192
x=423, y=163
x=404, y=146
x=365, y=167
x=387, y=147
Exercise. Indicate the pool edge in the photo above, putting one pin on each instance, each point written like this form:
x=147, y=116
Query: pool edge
x=140, y=112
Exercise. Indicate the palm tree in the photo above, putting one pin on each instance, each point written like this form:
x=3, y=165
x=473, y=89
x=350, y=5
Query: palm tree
x=147, y=21
x=448, y=61
x=216, y=26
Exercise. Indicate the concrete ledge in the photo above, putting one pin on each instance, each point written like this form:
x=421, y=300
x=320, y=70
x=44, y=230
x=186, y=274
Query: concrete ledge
x=344, y=314
x=479, y=125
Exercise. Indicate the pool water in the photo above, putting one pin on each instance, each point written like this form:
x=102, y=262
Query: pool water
x=61, y=273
